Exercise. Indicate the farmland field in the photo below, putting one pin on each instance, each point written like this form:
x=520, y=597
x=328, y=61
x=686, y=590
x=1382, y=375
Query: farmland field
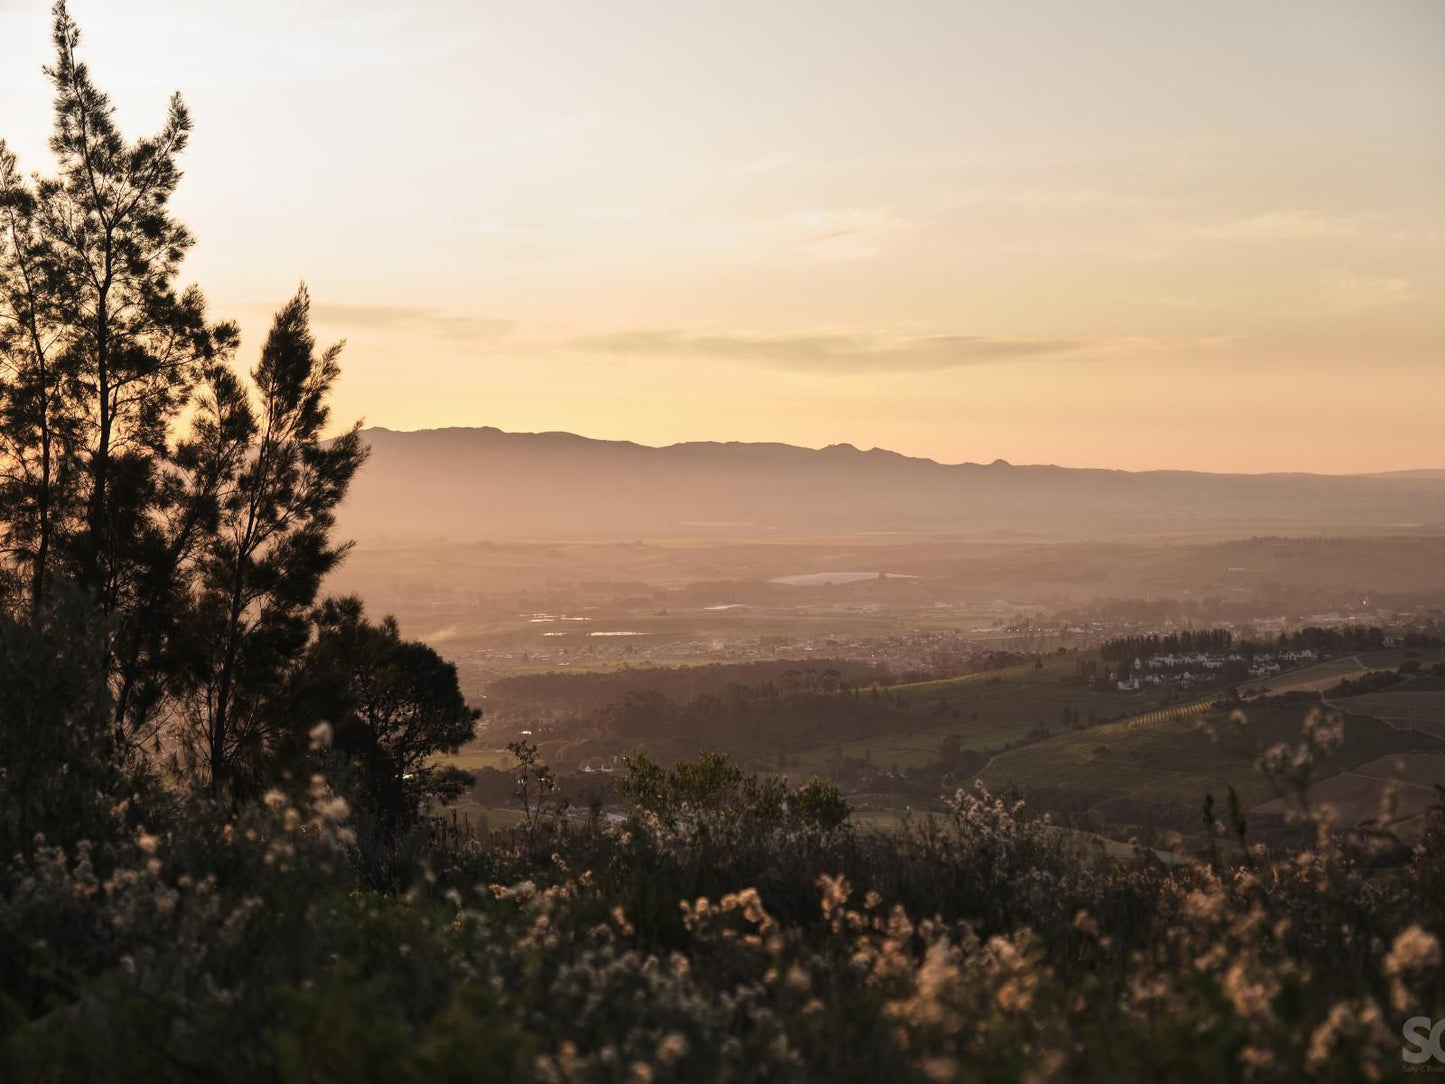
x=1055, y=669
x=1326, y=674
x=1311, y=678
x=1396, y=656
x=1356, y=795
x=1407, y=710
x=474, y=756
x=988, y=719
x=911, y=750
x=1172, y=764
x=984, y=711
x=480, y=818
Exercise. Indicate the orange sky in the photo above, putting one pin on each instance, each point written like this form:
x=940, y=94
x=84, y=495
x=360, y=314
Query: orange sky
x=1118, y=233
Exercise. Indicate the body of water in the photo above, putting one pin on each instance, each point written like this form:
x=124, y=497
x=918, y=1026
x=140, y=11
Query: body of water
x=823, y=579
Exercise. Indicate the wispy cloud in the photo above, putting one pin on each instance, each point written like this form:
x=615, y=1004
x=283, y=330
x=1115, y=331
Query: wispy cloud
x=1284, y=225
x=600, y=235
x=805, y=234
x=827, y=352
x=1048, y=197
x=843, y=234
x=471, y=329
x=1341, y=291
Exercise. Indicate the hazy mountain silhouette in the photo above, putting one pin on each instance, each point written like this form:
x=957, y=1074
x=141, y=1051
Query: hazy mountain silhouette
x=475, y=484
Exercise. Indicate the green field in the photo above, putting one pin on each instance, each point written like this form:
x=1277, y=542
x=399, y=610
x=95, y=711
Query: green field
x=912, y=750
x=1396, y=656
x=1357, y=794
x=989, y=717
x=479, y=818
x=1403, y=709
x=1172, y=763
x=1055, y=668
x=994, y=708
x=985, y=711
x=1323, y=675
x=998, y=722
x=1142, y=754
x=475, y=756
x=1308, y=679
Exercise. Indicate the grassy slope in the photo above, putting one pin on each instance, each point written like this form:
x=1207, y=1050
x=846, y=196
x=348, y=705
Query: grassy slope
x=1324, y=675
x=1357, y=794
x=1153, y=752
x=1175, y=761
x=1402, y=708
x=983, y=711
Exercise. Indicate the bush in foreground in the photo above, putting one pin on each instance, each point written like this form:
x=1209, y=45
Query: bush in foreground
x=726, y=940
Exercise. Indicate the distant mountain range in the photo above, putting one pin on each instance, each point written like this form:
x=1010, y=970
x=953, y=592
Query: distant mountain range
x=476, y=484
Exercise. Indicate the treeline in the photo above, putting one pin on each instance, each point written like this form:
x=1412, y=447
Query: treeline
x=167, y=520
x=1349, y=638
x=1381, y=680
x=1295, y=600
x=1375, y=681
x=1174, y=643
x=756, y=723
x=587, y=691
x=1352, y=638
x=564, y=691
x=1333, y=640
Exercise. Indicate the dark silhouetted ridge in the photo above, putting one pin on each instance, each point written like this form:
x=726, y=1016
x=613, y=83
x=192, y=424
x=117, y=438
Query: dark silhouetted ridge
x=471, y=484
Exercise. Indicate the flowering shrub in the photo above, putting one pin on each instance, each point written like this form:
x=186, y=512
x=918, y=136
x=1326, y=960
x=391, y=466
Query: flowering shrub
x=725, y=946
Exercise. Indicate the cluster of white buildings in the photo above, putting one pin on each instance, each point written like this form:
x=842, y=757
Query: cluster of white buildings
x=1164, y=669
x=1264, y=665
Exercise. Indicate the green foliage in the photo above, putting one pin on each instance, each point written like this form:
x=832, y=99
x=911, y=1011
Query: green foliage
x=1162, y=764
x=396, y=704
x=101, y=351
x=193, y=510
x=1372, y=682
x=59, y=776
x=534, y=786
x=165, y=526
x=712, y=791
x=819, y=804
x=258, y=572
x=976, y=946
x=700, y=786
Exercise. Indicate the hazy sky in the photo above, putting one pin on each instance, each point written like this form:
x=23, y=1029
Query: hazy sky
x=1131, y=234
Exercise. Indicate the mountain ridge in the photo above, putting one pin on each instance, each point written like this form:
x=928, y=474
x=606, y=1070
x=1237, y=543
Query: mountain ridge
x=477, y=483
x=1420, y=473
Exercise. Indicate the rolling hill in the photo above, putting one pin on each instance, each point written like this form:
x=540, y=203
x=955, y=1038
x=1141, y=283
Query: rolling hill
x=475, y=484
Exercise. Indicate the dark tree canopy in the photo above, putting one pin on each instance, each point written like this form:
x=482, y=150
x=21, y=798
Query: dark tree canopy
x=402, y=706
x=179, y=514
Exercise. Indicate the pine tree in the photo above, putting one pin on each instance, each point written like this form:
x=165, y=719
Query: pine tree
x=400, y=705
x=31, y=485
x=259, y=572
x=134, y=462
x=100, y=353
x=131, y=344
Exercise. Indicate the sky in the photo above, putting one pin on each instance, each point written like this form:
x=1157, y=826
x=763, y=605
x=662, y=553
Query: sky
x=1121, y=233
